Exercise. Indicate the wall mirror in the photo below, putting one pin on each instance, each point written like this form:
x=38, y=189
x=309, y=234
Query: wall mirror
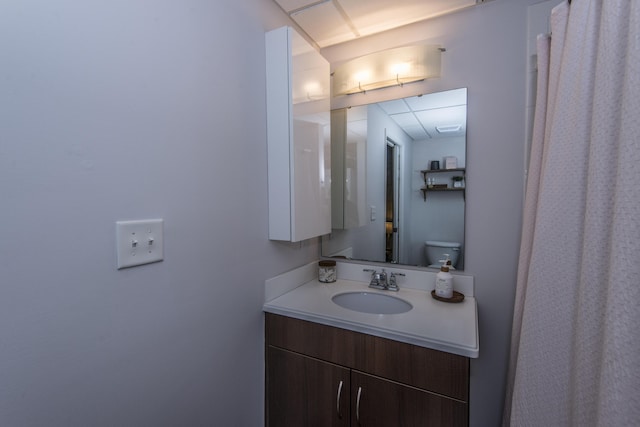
x=398, y=181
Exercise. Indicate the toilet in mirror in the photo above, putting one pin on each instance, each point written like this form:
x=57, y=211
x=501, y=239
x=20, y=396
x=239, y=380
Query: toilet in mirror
x=398, y=181
x=437, y=253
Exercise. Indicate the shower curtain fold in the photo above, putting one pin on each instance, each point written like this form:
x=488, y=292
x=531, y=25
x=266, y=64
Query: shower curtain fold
x=575, y=352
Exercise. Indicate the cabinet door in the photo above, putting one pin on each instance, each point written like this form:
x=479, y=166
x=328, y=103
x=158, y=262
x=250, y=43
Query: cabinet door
x=378, y=402
x=298, y=138
x=302, y=391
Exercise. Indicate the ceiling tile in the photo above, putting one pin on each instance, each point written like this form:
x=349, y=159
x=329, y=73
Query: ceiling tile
x=419, y=115
x=395, y=106
x=438, y=100
x=410, y=124
x=416, y=133
x=324, y=24
x=405, y=119
x=289, y=5
x=373, y=16
x=448, y=116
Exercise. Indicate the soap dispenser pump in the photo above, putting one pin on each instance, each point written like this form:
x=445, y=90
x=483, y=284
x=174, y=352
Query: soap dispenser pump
x=444, y=281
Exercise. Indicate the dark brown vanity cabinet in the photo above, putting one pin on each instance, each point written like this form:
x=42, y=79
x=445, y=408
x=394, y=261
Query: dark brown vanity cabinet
x=302, y=391
x=318, y=375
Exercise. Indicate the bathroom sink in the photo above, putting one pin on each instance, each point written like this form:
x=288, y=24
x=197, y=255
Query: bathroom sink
x=374, y=303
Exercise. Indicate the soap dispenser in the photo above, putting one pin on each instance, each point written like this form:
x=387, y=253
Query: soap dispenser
x=444, y=281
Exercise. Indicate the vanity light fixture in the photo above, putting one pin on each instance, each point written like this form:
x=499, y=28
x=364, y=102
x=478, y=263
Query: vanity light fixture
x=392, y=67
x=448, y=128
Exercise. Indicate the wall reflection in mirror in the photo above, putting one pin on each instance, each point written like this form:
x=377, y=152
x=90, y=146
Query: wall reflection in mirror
x=398, y=180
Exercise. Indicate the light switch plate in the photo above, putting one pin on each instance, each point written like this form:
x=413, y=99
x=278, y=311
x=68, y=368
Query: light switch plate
x=139, y=242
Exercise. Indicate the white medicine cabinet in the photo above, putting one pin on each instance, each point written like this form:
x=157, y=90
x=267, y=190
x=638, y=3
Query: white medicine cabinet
x=298, y=138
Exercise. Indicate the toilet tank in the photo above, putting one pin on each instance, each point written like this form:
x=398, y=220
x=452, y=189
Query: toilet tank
x=435, y=251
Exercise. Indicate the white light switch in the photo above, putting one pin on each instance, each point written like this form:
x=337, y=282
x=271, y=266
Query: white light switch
x=139, y=242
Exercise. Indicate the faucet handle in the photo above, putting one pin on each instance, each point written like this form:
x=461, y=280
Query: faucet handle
x=393, y=284
x=376, y=278
x=374, y=274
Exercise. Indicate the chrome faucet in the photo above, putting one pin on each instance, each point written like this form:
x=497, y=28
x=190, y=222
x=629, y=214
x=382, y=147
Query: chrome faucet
x=380, y=280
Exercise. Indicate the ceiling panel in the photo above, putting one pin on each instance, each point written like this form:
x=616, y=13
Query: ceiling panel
x=417, y=133
x=442, y=117
x=438, y=100
x=324, y=24
x=330, y=22
x=411, y=127
x=374, y=16
x=405, y=119
x=428, y=116
x=292, y=5
x=395, y=106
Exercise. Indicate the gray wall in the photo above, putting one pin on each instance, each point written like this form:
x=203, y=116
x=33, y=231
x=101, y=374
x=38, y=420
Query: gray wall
x=129, y=110
x=487, y=53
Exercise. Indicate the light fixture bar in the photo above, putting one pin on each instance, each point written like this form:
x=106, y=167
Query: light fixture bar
x=393, y=67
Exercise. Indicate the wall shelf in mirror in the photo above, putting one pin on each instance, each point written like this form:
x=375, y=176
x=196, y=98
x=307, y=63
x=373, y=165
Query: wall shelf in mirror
x=427, y=190
x=426, y=172
x=442, y=187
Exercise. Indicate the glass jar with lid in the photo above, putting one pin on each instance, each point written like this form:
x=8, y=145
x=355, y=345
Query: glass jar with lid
x=327, y=271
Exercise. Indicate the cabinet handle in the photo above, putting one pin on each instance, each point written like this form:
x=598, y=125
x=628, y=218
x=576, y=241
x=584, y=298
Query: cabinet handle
x=358, y=405
x=338, y=400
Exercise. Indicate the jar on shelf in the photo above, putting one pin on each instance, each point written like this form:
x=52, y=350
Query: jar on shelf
x=327, y=271
x=458, y=181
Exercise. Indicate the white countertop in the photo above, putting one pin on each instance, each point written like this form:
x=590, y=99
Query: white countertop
x=449, y=327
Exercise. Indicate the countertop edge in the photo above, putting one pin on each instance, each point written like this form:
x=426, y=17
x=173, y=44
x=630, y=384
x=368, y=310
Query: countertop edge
x=377, y=331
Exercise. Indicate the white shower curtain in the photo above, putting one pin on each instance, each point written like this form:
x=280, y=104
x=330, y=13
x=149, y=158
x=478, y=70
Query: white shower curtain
x=575, y=349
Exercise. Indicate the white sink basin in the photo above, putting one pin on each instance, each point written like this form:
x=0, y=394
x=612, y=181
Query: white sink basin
x=374, y=303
